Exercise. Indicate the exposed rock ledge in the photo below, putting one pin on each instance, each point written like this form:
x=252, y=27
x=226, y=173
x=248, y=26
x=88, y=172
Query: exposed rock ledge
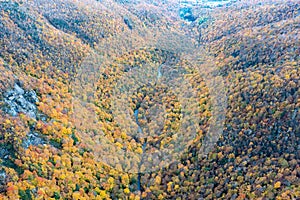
x=17, y=100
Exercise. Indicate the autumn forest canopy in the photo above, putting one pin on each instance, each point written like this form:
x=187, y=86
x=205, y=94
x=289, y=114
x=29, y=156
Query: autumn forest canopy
x=131, y=99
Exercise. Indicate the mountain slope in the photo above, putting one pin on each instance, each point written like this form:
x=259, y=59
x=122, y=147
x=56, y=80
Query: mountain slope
x=47, y=138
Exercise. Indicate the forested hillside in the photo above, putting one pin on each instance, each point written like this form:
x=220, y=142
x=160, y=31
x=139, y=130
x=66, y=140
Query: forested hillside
x=149, y=100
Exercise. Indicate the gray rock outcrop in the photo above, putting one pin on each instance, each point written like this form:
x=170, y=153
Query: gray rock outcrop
x=20, y=101
x=17, y=100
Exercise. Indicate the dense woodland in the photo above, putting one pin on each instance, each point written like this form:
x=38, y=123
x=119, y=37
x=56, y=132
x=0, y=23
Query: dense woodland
x=62, y=63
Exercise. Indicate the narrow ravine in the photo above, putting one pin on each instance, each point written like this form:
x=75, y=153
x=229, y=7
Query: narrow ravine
x=159, y=74
x=136, y=115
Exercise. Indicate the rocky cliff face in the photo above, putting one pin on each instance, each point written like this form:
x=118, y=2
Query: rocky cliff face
x=18, y=100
